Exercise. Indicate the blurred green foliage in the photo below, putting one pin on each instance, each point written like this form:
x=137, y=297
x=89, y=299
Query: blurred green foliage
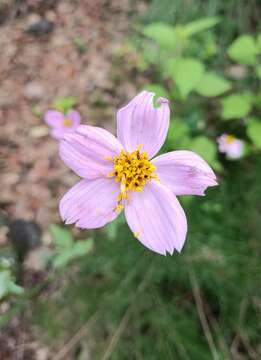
x=8, y=285
x=66, y=249
x=244, y=50
x=206, y=84
x=64, y=104
x=147, y=303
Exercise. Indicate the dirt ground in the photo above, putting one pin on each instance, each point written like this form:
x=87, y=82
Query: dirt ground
x=37, y=68
x=51, y=49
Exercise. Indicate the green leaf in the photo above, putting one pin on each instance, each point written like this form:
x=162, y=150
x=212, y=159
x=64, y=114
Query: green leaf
x=61, y=236
x=254, y=132
x=206, y=148
x=64, y=104
x=200, y=25
x=79, y=249
x=164, y=35
x=243, y=50
x=186, y=73
x=62, y=259
x=82, y=247
x=7, y=285
x=236, y=106
x=212, y=84
x=15, y=289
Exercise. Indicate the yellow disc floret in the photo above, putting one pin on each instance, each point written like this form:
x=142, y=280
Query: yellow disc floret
x=230, y=139
x=67, y=122
x=133, y=170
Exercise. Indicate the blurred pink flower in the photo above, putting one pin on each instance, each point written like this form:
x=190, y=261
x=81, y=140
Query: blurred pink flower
x=62, y=124
x=118, y=173
x=231, y=146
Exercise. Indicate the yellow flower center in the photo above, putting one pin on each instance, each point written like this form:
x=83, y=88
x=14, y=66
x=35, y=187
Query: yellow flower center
x=133, y=170
x=67, y=122
x=230, y=139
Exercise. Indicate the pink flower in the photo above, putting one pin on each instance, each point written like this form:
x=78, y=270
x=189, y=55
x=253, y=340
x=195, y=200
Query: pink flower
x=62, y=124
x=118, y=173
x=231, y=146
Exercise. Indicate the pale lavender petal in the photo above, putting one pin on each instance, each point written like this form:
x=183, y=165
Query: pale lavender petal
x=222, y=143
x=90, y=204
x=139, y=123
x=231, y=146
x=235, y=150
x=54, y=118
x=58, y=134
x=75, y=117
x=85, y=151
x=184, y=172
x=156, y=218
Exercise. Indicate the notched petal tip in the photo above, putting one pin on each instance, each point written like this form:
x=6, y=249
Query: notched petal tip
x=161, y=100
x=142, y=122
x=169, y=252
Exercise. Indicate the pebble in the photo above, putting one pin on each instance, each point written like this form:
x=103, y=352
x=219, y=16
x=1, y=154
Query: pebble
x=40, y=28
x=237, y=71
x=34, y=90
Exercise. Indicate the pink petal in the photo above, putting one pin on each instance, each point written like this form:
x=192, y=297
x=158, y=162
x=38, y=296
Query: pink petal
x=90, y=204
x=222, y=143
x=156, y=218
x=85, y=151
x=75, y=117
x=54, y=118
x=139, y=123
x=58, y=134
x=235, y=150
x=184, y=172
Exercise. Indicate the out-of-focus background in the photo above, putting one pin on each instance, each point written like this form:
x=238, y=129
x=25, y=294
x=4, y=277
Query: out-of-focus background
x=70, y=294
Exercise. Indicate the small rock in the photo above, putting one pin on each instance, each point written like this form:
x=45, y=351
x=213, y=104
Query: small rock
x=237, y=71
x=51, y=16
x=5, y=10
x=42, y=354
x=5, y=98
x=3, y=235
x=24, y=236
x=40, y=28
x=38, y=258
x=32, y=19
x=34, y=91
x=39, y=131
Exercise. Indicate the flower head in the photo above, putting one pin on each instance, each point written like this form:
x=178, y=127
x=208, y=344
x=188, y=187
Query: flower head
x=121, y=173
x=62, y=124
x=231, y=146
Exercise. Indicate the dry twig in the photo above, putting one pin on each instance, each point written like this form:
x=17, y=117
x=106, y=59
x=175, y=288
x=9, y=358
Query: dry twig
x=202, y=316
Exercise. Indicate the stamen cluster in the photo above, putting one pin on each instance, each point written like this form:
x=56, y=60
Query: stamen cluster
x=230, y=139
x=67, y=122
x=132, y=170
